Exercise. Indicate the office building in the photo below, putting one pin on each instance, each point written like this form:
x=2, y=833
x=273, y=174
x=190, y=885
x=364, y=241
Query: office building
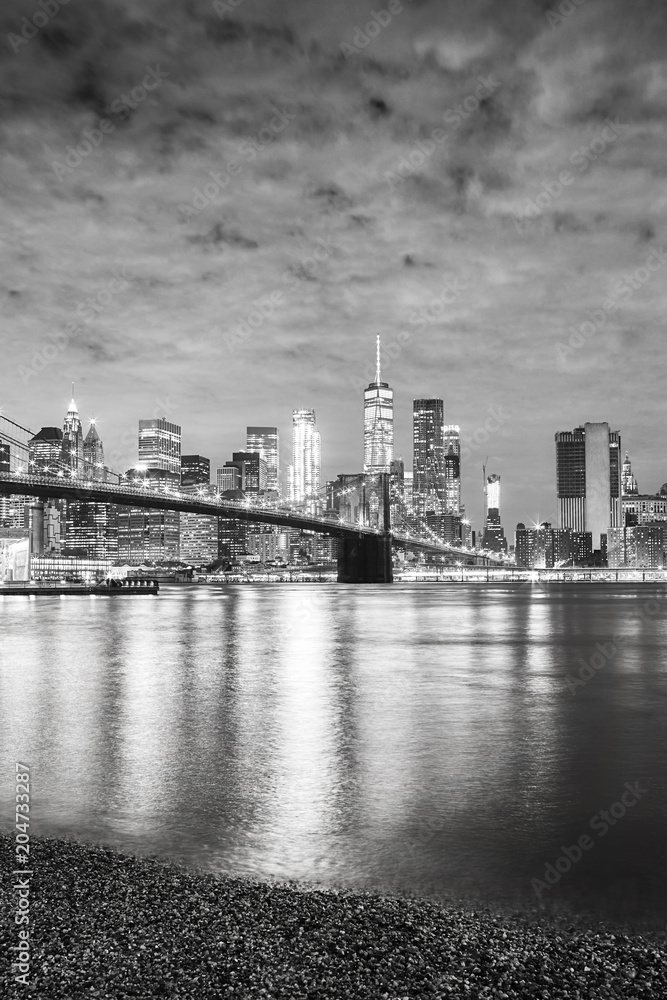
x=304, y=473
x=228, y=478
x=148, y=536
x=378, y=422
x=588, y=474
x=45, y=449
x=160, y=445
x=265, y=441
x=72, y=440
x=452, y=467
x=195, y=470
x=252, y=469
x=428, y=484
x=91, y=530
x=199, y=544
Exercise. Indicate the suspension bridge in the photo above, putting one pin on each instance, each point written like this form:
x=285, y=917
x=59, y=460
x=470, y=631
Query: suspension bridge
x=364, y=550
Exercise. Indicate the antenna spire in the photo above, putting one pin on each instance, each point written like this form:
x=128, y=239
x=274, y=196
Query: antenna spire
x=378, y=376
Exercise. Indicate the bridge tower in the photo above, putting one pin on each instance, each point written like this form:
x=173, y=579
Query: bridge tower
x=367, y=558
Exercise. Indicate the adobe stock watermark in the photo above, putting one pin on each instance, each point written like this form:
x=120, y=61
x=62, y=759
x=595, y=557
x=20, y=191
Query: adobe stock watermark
x=605, y=652
x=497, y=417
x=601, y=823
x=92, y=138
x=30, y=28
x=247, y=151
x=264, y=307
x=582, y=158
x=423, y=148
x=86, y=311
x=565, y=10
x=380, y=19
x=623, y=290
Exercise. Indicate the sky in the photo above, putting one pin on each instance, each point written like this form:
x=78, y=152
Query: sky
x=210, y=209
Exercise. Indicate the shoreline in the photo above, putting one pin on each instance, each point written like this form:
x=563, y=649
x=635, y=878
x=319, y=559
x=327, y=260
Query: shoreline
x=112, y=925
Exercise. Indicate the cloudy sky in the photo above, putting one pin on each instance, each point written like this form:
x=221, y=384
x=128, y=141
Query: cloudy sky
x=337, y=213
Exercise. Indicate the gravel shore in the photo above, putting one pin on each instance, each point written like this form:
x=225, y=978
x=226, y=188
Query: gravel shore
x=107, y=925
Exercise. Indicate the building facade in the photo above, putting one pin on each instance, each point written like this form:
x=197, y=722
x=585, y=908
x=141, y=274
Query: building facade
x=428, y=481
x=195, y=470
x=265, y=441
x=304, y=473
x=452, y=464
x=160, y=445
x=72, y=441
x=378, y=422
x=588, y=480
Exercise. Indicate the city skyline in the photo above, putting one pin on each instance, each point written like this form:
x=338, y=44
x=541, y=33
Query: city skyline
x=470, y=493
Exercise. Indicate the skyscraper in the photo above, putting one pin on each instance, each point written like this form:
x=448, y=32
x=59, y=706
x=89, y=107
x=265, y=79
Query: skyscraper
x=452, y=463
x=588, y=480
x=265, y=441
x=72, y=444
x=428, y=484
x=494, y=536
x=93, y=454
x=304, y=473
x=160, y=445
x=378, y=422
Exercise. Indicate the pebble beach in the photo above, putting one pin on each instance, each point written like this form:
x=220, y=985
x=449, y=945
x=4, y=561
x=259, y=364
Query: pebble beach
x=106, y=925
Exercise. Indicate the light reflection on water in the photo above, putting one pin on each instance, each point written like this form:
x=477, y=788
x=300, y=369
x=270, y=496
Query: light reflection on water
x=407, y=736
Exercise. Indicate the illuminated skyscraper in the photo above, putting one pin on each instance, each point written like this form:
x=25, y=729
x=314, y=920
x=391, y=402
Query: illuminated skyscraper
x=265, y=441
x=378, y=422
x=588, y=480
x=160, y=445
x=452, y=463
x=494, y=536
x=72, y=447
x=45, y=449
x=93, y=454
x=428, y=484
x=304, y=473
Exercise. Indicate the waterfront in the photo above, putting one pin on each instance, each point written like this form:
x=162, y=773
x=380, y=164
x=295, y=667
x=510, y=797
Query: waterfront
x=414, y=737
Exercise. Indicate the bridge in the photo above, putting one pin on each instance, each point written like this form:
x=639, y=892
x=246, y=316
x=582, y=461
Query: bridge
x=364, y=550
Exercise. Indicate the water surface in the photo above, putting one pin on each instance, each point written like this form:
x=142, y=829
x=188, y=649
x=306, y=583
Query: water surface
x=418, y=737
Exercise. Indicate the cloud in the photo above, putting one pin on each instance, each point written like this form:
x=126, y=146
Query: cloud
x=322, y=177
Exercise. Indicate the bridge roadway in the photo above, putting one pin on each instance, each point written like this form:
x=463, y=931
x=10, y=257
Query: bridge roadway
x=373, y=545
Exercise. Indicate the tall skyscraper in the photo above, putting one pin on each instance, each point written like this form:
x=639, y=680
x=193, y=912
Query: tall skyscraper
x=304, y=473
x=428, y=484
x=265, y=441
x=72, y=444
x=588, y=480
x=494, y=536
x=452, y=464
x=378, y=422
x=93, y=454
x=160, y=445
